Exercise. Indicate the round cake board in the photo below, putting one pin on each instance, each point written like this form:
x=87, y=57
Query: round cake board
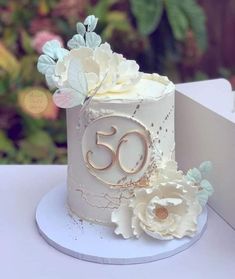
x=96, y=243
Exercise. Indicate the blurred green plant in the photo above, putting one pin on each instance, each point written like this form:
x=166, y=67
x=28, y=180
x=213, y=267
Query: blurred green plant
x=183, y=15
x=164, y=36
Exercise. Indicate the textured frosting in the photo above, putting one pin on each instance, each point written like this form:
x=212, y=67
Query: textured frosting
x=115, y=143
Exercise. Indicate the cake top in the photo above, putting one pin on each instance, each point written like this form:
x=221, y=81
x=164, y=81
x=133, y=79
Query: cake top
x=91, y=69
x=149, y=87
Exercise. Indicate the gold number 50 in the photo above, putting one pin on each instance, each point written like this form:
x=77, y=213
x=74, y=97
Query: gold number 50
x=115, y=155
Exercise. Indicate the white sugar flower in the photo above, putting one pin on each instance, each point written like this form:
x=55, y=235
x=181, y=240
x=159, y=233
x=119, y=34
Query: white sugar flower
x=167, y=171
x=89, y=68
x=164, y=211
x=100, y=65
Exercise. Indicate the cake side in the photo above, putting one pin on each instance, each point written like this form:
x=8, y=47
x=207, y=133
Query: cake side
x=99, y=181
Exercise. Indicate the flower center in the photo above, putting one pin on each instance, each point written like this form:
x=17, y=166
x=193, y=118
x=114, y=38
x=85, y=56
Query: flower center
x=161, y=213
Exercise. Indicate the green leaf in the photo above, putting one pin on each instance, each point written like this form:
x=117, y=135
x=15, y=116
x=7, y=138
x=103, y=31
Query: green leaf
x=177, y=18
x=6, y=144
x=197, y=21
x=185, y=15
x=116, y=21
x=3, y=85
x=148, y=14
x=26, y=42
x=28, y=68
x=101, y=9
x=39, y=146
x=199, y=76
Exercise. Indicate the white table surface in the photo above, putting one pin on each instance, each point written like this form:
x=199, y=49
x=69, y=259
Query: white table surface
x=24, y=253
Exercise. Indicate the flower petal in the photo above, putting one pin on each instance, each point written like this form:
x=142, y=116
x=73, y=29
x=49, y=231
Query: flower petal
x=76, y=77
x=122, y=218
x=92, y=81
x=136, y=228
x=156, y=234
x=140, y=196
x=67, y=98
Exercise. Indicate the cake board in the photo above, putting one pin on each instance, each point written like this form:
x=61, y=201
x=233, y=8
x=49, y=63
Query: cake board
x=96, y=243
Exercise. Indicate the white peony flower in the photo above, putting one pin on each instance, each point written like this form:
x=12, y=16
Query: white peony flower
x=85, y=56
x=164, y=211
x=89, y=68
x=167, y=171
x=101, y=66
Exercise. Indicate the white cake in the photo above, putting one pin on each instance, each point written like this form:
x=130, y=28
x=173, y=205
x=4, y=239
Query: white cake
x=147, y=109
x=120, y=126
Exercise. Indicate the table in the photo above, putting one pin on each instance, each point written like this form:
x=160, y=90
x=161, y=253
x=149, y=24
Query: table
x=24, y=253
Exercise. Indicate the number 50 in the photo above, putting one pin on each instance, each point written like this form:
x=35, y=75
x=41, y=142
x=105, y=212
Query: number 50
x=115, y=154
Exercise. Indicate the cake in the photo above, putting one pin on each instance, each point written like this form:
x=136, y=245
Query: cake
x=120, y=128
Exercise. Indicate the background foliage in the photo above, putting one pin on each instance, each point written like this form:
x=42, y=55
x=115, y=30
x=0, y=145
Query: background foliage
x=164, y=36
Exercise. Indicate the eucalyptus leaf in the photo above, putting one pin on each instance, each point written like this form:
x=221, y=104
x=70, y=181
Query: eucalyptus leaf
x=45, y=63
x=194, y=175
x=206, y=186
x=50, y=48
x=92, y=39
x=202, y=198
x=91, y=22
x=50, y=78
x=205, y=167
x=81, y=29
x=76, y=41
x=60, y=53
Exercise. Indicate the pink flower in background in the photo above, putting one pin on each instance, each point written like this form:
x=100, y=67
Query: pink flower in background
x=51, y=112
x=42, y=37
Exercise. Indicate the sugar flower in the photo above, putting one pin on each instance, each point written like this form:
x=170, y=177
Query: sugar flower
x=168, y=209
